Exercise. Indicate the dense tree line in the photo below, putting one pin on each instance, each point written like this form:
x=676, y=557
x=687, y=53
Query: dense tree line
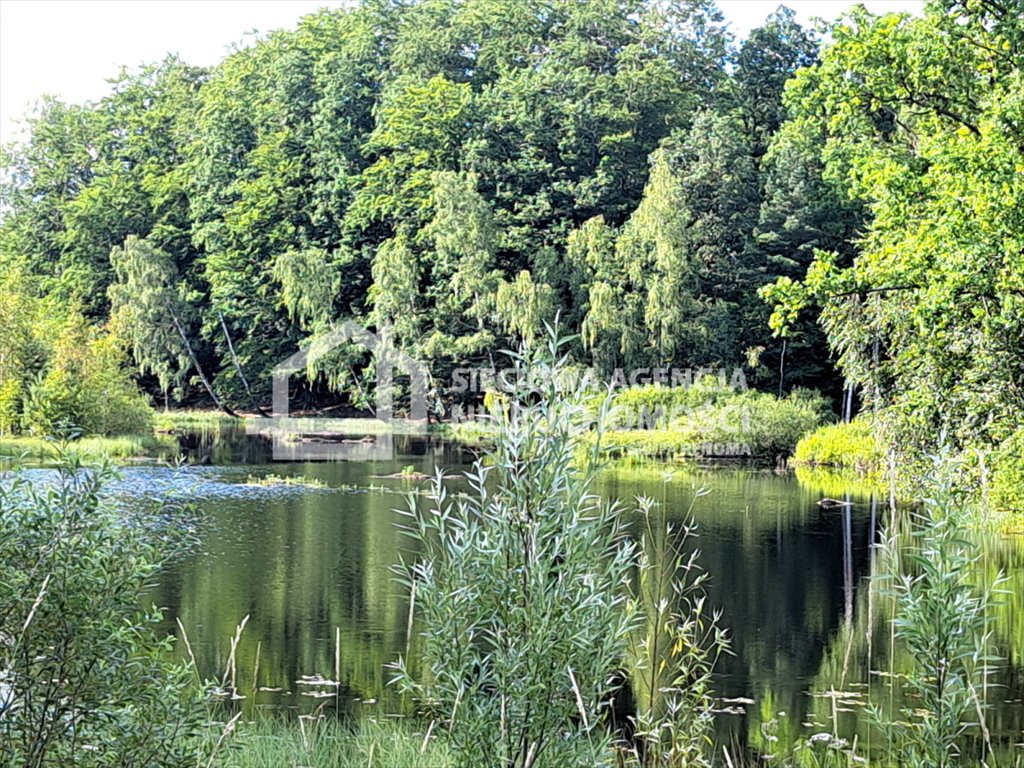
x=464, y=171
x=461, y=171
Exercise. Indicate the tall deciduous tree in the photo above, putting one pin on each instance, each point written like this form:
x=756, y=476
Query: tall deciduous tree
x=923, y=123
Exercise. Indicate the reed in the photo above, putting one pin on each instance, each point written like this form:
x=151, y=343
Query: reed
x=86, y=448
x=675, y=646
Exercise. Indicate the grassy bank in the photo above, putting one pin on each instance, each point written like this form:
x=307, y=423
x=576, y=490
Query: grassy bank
x=88, y=448
x=165, y=421
x=710, y=421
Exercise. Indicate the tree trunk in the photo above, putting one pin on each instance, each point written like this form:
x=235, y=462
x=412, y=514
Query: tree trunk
x=238, y=367
x=199, y=369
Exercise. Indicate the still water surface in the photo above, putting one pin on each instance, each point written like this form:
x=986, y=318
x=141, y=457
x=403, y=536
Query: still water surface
x=312, y=569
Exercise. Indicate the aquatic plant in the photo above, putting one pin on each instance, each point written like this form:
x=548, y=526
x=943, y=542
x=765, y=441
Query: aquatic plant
x=86, y=448
x=271, y=481
x=674, y=648
x=165, y=421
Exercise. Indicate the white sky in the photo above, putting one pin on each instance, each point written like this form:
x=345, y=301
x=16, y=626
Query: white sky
x=69, y=48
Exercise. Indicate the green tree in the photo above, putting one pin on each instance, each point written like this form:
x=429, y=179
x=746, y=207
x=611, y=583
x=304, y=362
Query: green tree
x=769, y=57
x=920, y=122
x=150, y=308
x=87, y=385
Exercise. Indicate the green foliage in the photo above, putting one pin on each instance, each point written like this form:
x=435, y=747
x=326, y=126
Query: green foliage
x=1006, y=493
x=918, y=120
x=87, y=385
x=25, y=344
x=324, y=742
x=941, y=618
x=88, y=448
x=84, y=678
x=712, y=420
x=167, y=421
x=667, y=402
x=58, y=369
x=525, y=306
x=519, y=590
x=147, y=307
x=422, y=164
x=856, y=445
x=10, y=406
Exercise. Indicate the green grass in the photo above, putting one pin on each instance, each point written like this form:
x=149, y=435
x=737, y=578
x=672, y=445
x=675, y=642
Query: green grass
x=87, y=448
x=325, y=743
x=466, y=432
x=165, y=421
x=704, y=421
x=853, y=446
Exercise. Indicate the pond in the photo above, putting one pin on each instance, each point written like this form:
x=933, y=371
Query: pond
x=311, y=568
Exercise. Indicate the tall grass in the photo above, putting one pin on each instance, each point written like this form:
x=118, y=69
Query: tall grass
x=87, y=448
x=319, y=741
x=674, y=648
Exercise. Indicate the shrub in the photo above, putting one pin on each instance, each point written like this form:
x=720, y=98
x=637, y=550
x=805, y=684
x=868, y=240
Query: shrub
x=854, y=446
x=520, y=591
x=1006, y=493
x=87, y=384
x=941, y=619
x=84, y=678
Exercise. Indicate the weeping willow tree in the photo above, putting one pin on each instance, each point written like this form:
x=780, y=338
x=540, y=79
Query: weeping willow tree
x=394, y=294
x=462, y=240
x=309, y=283
x=524, y=306
x=149, y=307
x=609, y=306
x=653, y=246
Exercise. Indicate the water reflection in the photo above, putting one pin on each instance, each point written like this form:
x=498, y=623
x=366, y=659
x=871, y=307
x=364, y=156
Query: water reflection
x=790, y=575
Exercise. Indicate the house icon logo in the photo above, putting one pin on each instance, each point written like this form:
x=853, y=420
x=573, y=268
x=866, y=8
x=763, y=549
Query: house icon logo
x=325, y=439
